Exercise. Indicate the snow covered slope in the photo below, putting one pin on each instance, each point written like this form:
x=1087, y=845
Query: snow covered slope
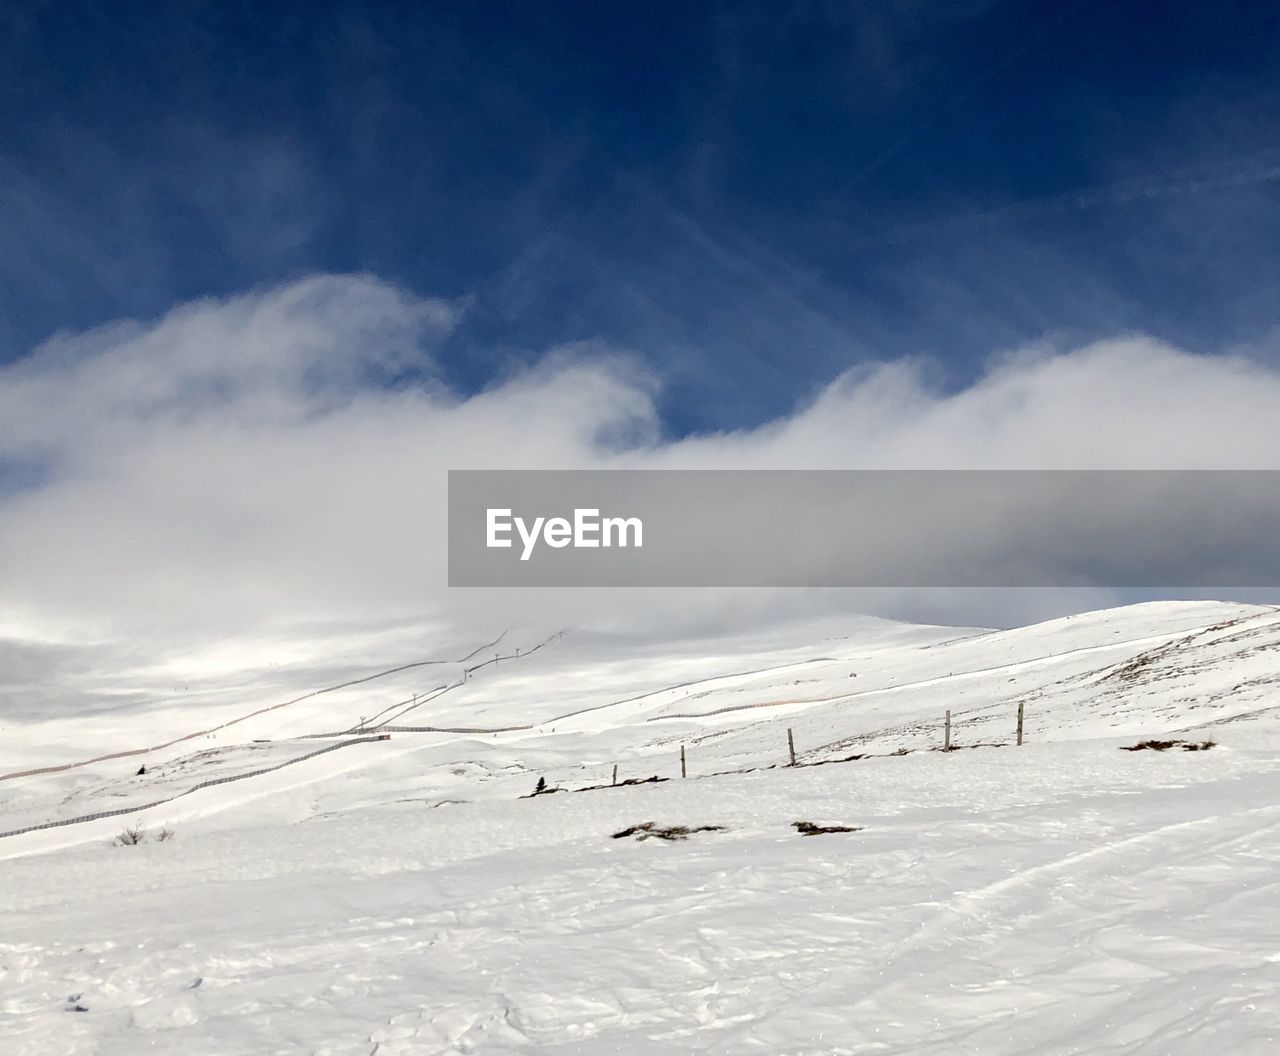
x=404, y=896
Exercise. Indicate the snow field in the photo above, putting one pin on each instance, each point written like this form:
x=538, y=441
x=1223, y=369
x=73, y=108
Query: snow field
x=402, y=897
x=1058, y=898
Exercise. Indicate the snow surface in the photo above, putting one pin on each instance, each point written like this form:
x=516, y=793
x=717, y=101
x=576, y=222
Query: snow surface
x=406, y=896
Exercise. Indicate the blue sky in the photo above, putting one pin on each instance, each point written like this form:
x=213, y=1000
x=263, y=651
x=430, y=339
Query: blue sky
x=750, y=197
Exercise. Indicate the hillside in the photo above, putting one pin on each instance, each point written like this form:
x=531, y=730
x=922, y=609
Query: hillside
x=403, y=896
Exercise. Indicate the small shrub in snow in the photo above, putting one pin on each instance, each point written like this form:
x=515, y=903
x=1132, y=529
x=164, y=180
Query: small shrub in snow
x=1162, y=746
x=131, y=837
x=136, y=834
x=542, y=789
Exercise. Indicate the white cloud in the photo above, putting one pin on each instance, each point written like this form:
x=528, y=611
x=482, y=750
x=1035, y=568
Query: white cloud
x=273, y=463
x=1132, y=403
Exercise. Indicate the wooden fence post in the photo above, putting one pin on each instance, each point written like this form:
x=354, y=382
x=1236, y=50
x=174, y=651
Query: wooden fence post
x=683, y=771
x=946, y=737
x=791, y=745
x=615, y=773
x=1019, y=722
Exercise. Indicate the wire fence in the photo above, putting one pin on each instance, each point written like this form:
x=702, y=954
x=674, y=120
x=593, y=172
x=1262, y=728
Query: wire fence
x=367, y=731
x=121, y=811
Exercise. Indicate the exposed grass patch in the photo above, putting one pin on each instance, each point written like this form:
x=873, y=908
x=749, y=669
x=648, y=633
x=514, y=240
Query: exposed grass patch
x=668, y=832
x=808, y=828
x=1154, y=745
x=629, y=782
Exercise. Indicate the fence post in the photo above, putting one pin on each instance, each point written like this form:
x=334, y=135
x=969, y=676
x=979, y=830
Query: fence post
x=683, y=771
x=946, y=737
x=791, y=745
x=615, y=773
x=1019, y=722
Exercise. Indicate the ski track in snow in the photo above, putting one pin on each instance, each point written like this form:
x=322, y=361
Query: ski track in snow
x=1061, y=898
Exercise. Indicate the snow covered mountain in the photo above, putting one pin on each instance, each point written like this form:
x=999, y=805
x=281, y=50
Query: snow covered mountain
x=359, y=867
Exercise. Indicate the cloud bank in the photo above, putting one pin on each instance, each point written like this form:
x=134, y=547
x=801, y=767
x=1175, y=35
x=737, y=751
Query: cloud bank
x=267, y=464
